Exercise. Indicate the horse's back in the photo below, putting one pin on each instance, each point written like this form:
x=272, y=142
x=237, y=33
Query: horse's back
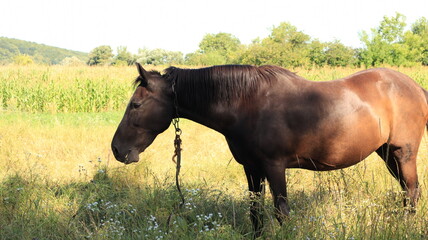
x=385, y=81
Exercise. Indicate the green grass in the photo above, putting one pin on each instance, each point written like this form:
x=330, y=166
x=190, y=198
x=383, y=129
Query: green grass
x=59, y=180
x=53, y=89
x=64, y=89
x=62, y=119
x=78, y=191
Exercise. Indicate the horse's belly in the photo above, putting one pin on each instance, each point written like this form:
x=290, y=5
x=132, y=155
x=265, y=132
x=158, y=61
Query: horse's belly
x=341, y=151
x=326, y=163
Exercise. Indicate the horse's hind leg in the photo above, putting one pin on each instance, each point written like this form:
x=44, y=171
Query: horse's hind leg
x=401, y=163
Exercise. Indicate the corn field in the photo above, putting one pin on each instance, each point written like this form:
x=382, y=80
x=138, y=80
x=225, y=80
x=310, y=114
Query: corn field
x=51, y=89
x=65, y=89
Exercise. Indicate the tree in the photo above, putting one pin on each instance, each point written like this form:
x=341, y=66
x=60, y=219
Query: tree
x=123, y=57
x=390, y=44
x=384, y=44
x=285, y=46
x=391, y=28
x=206, y=59
x=216, y=49
x=159, y=57
x=316, y=53
x=339, y=55
x=420, y=27
x=224, y=44
x=101, y=55
x=257, y=54
x=22, y=59
x=418, y=39
x=286, y=33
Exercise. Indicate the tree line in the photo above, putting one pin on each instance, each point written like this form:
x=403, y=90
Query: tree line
x=387, y=44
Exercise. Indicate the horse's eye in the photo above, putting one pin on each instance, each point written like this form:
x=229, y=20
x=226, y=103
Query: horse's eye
x=135, y=105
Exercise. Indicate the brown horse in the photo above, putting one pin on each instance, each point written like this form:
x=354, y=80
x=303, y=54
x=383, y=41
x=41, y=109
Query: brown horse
x=273, y=119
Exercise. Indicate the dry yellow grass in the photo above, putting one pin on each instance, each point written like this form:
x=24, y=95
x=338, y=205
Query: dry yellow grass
x=68, y=147
x=61, y=155
x=65, y=150
x=59, y=147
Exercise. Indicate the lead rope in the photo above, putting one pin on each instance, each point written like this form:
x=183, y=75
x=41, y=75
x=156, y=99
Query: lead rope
x=176, y=158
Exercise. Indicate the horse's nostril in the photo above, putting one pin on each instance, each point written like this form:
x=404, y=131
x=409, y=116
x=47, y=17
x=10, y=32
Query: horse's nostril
x=115, y=151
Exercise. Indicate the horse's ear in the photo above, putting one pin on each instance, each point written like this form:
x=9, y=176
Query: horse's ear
x=141, y=70
x=143, y=74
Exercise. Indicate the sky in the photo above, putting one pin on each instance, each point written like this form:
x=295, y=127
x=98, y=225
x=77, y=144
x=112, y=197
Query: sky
x=180, y=25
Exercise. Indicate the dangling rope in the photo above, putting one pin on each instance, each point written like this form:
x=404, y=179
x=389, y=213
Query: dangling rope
x=176, y=158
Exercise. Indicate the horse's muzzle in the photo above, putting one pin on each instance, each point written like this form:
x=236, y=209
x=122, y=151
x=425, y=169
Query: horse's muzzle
x=129, y=157
x=119, y=157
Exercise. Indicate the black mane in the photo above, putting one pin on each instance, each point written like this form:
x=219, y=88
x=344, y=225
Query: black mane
x=200, y=87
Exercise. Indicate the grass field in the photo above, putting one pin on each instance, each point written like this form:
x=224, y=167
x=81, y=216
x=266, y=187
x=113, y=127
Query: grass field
x=59, y=180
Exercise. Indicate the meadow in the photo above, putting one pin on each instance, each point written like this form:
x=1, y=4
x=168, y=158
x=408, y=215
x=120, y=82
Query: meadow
x=59, y=180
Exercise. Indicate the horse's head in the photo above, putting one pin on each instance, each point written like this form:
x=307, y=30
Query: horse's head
x=149, y=112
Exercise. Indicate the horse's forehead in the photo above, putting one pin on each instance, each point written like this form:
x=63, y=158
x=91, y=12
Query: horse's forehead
x=140, y=92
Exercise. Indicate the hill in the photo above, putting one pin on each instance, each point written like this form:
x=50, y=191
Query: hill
x=40, y=53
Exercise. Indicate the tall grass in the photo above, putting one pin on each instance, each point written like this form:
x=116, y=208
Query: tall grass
x=65, y=89
x=54, y=89
x=59, y=180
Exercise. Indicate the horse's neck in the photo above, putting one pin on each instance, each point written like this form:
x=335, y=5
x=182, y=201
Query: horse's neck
x=220, y=112
x=216, y=117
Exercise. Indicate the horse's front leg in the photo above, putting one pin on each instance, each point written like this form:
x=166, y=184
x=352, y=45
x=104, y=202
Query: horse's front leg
x=256, y=179
x=275, y=174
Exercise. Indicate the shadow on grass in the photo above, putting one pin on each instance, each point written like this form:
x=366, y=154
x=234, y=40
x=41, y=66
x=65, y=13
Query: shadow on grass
x=112, y=205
